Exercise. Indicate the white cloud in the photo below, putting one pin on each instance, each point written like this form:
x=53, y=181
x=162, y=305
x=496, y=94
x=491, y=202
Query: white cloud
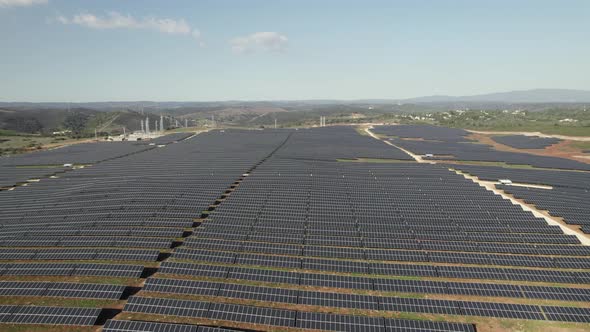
x=21, y=3
x=259, y=41
x=115, y=20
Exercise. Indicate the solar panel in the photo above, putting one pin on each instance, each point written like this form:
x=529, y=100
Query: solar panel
x=108, y=270
x=481, y=289
x=339, y=300
x=567, y=314
x=252, y=315
x=22, y=288
x=168, y=307
x=410, y=286
x=501, y=310
x=442, y=307
x=298, y=209
x=403, y=325
x=88, y=291
x=180, y=286
x=190, y=269
x=258, y=293
x=204, y=255
x=52, y=315
x=333, y=322
x=270, y=276
x=45, y=269
x=336, y=281
x=6, y=311
x=557, y=293
x=137, y=326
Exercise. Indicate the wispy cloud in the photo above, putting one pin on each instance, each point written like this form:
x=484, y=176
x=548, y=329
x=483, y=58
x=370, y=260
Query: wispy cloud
x=259, y=41
x=115, y=20
x=21, y=3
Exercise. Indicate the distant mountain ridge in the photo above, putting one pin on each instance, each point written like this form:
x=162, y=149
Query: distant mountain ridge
x=510, y=97
x=521, y=96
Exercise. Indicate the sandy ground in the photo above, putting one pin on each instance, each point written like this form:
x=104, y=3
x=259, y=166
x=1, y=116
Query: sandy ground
x=532, y=133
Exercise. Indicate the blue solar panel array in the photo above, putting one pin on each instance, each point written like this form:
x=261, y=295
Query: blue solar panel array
x=566, y=198
x=452, y=144
x=526, y=142
x=260, y=229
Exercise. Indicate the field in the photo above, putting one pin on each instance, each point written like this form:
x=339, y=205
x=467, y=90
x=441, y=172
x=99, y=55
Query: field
x=318, y=229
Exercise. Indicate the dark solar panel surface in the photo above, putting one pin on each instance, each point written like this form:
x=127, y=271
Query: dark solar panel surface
x=301, y=230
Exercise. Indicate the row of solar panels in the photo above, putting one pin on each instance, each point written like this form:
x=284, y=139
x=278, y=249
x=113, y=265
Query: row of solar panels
x=10, y=175
x=365, y=283
x=142, y=326
x=392, y=269
x=277, y=240
x=280, y=214
x=83, y=153
x=280, y=317
x=454, y=146
x=71, y=269
x=48, y=315
x=423, y=221
x=206, y=246
x=533, y=176
x=358, y=242
x=427, y=132
x=92, y=221
x=567, y=203
x=525, y=142
x=61, y=289
x=348, y=300
x=80, y=254
x=359, y=228
x=307, y=320
x=308, y=237
x=94, y=231
x=87, y=241
x=331, y=143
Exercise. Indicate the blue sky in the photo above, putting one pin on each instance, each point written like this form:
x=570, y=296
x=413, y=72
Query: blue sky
x=58, y=50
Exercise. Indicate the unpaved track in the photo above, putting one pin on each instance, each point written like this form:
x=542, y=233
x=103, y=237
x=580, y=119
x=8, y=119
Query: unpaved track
x=415, y=156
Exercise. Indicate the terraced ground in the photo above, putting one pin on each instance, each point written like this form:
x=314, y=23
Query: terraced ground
x=277, y=230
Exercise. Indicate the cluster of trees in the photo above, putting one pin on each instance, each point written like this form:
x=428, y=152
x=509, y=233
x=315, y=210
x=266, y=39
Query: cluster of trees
x=24, y=125
x=76, y=123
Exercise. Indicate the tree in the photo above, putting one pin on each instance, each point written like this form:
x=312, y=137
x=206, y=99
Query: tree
x=76, y=123
x=32, y=126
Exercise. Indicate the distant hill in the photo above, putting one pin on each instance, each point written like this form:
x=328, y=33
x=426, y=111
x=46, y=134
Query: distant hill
x=41, y=120
x=113, y=116
x=511, y=97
